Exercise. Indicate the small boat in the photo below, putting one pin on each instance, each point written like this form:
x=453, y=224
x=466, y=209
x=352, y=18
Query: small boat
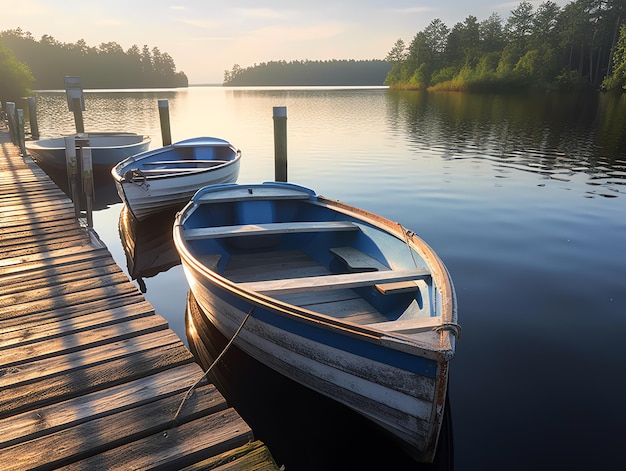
x=343, y=301
x=107, y=148
x=168, y=177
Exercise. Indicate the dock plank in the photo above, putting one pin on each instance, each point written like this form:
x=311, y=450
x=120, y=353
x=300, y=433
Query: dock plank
x=198, y=439
x=23, y=427
x=89, y=441
x=36, y=370
x=64, y=386
x=22, y=335
x=78, y=340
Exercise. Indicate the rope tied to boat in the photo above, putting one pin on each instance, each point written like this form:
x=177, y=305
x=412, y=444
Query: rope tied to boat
x=407, y=233
x=451, y=327
x=136, y=176
x=219, y=357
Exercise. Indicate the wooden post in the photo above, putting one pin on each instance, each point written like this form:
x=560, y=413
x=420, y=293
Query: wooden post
x=32, y=117
x=88, y=182
x=11, y=118
x=72, y=172
x=164, y=115
x=78, y=115
x=21, y=139
x=280, y=143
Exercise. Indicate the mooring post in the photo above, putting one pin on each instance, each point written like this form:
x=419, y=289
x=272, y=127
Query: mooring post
x=21, y=139
x=32, y=118
x=78, y=115
x=87, y=168
x=11, y=119
x=72, y=171
x=280, y=143
x=164, y=116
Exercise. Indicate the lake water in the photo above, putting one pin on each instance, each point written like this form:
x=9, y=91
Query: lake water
x=524, y=199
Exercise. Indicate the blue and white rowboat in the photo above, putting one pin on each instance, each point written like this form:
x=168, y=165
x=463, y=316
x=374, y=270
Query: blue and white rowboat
x=346, y=302
x=167, y=177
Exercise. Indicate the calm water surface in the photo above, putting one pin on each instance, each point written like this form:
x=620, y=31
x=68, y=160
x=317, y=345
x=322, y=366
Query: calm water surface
x=524, y=199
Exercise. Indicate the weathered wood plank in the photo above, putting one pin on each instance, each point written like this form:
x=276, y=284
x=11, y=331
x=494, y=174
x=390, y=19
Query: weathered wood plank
x=176, y=447
x=28, y=228
x=398, y=287
x=270, y=228
x=252, y=456
x=77, y=242
x=75, y=341
x=57, y=274
x=341, y=304
x=356, y=260
x=41, y=236
x=52, y=276
x=51, y=257
x=330, y=282
x=15, y=336
x=41, y=218
x=63, y=289
x=144, y=436
x=35, y=423
x=37, y=206
x=106, y=299
x=83, y=381
x=38, y=369
x=240, y=263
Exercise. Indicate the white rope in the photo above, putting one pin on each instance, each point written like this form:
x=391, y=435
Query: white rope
x=408, y=233
x=219, y=357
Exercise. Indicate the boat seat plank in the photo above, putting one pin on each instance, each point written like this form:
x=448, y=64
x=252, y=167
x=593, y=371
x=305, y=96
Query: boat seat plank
x=271, y=228
x=416, y=325
x=397, y=287
x=259, y=194
x=357, y=261
x=331, y=282
x=168, y=171
x=191, y=162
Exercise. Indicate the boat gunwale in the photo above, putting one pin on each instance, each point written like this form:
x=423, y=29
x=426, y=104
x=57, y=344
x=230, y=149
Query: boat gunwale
x=32, y=145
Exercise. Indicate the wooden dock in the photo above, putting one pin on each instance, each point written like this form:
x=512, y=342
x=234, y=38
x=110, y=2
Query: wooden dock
x=91, y=377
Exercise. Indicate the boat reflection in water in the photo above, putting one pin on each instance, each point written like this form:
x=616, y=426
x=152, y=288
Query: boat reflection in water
x=148, y=244
x=304, y=430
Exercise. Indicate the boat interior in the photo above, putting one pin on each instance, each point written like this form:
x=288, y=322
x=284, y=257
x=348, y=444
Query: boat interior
x=186, y=159
x=310, y=256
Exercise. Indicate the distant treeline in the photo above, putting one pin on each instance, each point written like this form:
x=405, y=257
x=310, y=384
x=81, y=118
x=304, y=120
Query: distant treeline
x=314, y=73
x=582, y=44
x=105, y=66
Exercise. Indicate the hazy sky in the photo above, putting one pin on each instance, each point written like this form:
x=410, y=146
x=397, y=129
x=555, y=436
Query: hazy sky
x=205, y=38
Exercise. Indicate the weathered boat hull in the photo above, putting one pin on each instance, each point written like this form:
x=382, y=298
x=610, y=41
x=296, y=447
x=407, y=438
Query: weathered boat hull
x=146, y=193
x=107, y=149
x=395, y=377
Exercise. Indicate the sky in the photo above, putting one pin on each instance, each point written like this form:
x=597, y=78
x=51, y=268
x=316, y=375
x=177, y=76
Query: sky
x=206, y=37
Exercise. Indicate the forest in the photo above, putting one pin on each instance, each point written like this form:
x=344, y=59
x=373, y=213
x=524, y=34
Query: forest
x=105, y=66
x=581, y=45
x=319, y=73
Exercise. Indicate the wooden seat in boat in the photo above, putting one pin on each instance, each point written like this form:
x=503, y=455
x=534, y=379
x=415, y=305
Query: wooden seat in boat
x=332, y=282
x=269, y=228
